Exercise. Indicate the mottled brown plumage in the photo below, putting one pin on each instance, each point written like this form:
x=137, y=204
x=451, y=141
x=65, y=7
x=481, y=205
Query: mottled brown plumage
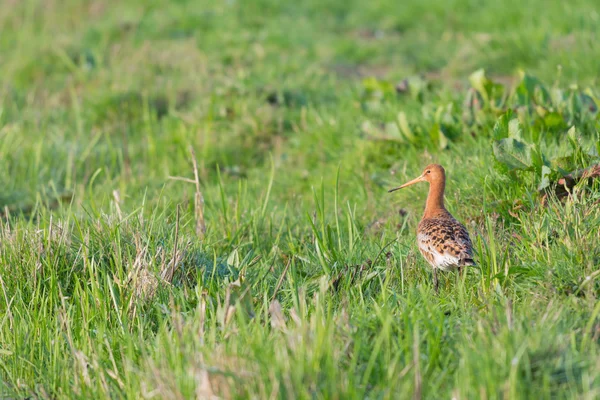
x=443, y=241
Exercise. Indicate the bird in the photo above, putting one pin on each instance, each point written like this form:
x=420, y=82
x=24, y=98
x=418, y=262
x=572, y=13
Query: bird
x=443, y=241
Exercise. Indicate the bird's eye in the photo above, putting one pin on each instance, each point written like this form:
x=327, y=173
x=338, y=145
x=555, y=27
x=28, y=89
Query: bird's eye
x=428, y=172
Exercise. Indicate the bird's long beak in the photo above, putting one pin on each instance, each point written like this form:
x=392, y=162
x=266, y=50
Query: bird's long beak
x=416, y=180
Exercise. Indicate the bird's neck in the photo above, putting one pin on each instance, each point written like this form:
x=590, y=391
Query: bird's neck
x=435, y=200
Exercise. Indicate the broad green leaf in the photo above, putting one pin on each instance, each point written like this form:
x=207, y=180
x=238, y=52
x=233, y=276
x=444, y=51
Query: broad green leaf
x=500, y=130
x=558, y=96
x=538, y=160
x=574, y=140
x=531, y=89
x=572, y=134
x=503, y=128
x=514, y=129
x=554, y=120
x=491, y=92
x=405, y=127
x=480, y=82
x=545, y=180
x=437, y=136
x=513, y=153
x=443, y=142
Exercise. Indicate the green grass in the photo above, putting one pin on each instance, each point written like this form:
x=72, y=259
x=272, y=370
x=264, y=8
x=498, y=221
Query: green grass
x=287, y=271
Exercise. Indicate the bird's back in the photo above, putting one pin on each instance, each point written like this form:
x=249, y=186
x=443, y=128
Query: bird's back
x=445, y=242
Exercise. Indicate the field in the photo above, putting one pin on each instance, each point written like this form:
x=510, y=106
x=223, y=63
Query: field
x=193, y=199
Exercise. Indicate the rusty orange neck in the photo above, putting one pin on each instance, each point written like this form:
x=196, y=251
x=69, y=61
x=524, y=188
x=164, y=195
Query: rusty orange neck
x=435, y=199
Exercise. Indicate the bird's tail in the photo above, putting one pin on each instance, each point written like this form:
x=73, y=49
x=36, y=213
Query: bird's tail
x=468, y=262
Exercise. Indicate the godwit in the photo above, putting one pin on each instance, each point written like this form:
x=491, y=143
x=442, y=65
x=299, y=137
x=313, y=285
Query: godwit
x=443, y=241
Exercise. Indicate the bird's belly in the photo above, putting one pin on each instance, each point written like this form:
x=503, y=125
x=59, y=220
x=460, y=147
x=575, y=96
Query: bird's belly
x=441, y=261
x=447, y=266
x=445, y=262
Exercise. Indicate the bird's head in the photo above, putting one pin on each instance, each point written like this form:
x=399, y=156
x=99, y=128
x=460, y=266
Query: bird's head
x=432, y=173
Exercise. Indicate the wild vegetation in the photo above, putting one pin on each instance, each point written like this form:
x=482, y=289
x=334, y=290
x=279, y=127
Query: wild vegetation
x=194, y=199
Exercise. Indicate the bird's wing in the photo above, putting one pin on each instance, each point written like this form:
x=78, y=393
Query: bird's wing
x=445, y=242
x=464, y=246
x=437, y=255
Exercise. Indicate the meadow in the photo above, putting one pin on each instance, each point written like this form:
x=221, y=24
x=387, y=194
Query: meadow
x=193, y=199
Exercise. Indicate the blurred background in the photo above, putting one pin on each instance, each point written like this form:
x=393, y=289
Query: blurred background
x=128, y=86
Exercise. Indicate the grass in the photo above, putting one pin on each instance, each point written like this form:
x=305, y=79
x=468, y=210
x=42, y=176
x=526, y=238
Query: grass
x=194, y=199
